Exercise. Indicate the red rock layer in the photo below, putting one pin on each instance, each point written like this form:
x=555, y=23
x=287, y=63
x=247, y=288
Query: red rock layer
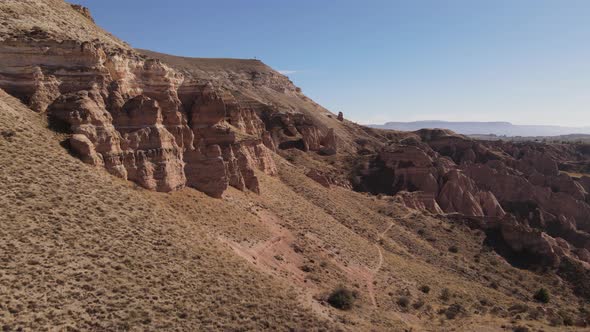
x=516, y=188
x=141, y=119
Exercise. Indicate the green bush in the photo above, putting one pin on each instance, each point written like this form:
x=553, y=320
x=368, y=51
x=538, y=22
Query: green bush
x=342, y=298
x=542, y=295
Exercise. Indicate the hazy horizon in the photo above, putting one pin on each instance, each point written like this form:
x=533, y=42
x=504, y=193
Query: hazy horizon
x=498, y=128
x=497, y=121
x=525, y=62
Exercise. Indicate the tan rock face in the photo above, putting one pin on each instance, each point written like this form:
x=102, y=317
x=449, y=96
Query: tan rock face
x=83, y=11
x=420, y=200
x=318, y=177
x=517, y=186
x=533, y=242
x=206, y=171
x=201, y=123
x=141, y=119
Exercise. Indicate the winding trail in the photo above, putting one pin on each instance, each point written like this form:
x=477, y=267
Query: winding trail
x=371, y=279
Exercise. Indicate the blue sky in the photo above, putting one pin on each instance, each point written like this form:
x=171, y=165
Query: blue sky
x=524, y=61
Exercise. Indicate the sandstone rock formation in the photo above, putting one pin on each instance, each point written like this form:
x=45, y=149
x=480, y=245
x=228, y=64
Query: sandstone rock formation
x=318, y=177
x=160, y=125
x=518, y=186
x=419, y=200
x=83, y=10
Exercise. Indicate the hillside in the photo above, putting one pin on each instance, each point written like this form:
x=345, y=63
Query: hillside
x=85, y=250
x=145, y=191
x=96, y=244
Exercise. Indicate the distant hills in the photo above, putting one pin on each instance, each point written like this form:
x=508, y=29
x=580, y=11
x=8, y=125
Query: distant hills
x=486, y=128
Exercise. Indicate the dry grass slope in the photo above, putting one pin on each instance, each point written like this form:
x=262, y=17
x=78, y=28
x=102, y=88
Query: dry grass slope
x=82, y=250
x=56, y=17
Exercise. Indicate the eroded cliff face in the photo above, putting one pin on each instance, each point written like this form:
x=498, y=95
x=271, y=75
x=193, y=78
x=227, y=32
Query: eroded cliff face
x=515, y=189
x=160, y=126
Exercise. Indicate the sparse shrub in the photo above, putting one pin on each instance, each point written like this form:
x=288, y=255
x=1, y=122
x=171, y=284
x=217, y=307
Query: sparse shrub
x=306, y=268
x=520, y=329
x=296, y=248
x=445, y=295
x=556, y=320
x=567, y=318
x=535, y=314
x=494, y=285
x=342, y=298
x=518, y=308
x=418, y=304
x=452, y=311
x=403, y=301
x=454, y=249
x=7, y=134
x=425, y=289
x=542, y=295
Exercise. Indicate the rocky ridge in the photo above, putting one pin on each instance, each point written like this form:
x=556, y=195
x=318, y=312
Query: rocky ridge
x=535, y=214
x=149, y=122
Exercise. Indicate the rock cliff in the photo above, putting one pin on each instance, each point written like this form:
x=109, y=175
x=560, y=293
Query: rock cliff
x=516, y=188
x=158, y=120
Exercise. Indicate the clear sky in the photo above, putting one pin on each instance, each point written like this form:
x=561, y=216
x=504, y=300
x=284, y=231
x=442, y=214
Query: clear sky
x=524, y=61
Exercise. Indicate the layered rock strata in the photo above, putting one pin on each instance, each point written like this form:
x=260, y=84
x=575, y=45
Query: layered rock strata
x=516, y=188
x=148, y=122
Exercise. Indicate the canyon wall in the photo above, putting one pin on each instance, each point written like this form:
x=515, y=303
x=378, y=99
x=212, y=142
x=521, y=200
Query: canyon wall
x=516, y=190
x=151, y=123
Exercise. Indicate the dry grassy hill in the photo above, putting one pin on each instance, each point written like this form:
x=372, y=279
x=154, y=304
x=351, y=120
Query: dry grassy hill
x=83, y=249
x=47, y=19
x=86, y=250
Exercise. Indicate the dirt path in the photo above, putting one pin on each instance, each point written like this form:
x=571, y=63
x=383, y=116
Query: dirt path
x=371, y=278
x=385, y=231
x=276, y=256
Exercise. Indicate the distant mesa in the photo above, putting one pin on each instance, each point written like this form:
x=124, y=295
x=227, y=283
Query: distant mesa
x=486, y=128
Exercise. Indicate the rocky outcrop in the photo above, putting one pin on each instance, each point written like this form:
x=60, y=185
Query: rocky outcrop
x=532, y=243
x=161, y=121
x=143, y=120
x=413, y=166
x=83, y=11
x=135, y=145
x=206, y=170
x=419, y=200
x=460, y=194
x=515, y=190
x=318, y=177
